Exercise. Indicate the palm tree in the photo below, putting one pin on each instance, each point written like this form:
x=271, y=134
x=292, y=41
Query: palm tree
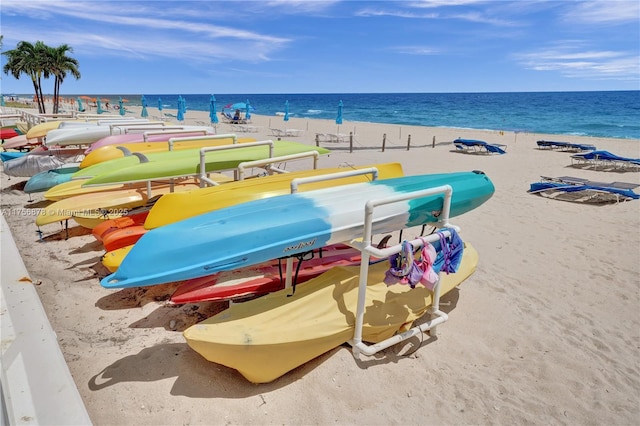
x=39, y=60
x=28, y=59
x=59, y=64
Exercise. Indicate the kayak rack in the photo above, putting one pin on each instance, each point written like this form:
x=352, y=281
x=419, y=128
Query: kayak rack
x=145, y=135
x=204, y=137
x=124, y=125
x=268, y=163
x=295, y=183
x=240, y=170
x=368, y=250
x=129, y=129
x=203, y=152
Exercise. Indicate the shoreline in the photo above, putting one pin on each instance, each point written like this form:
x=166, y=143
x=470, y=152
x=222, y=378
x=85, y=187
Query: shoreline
x=530, y=337
x=560, y=113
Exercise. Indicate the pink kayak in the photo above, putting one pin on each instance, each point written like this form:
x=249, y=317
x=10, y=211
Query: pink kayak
x=20, y=141
x=139, y=137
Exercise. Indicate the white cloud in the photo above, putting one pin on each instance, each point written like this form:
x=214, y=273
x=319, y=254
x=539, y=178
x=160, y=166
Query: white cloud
x=605, y=12
x=415, y=50
x=135, y=29
x=585, y=64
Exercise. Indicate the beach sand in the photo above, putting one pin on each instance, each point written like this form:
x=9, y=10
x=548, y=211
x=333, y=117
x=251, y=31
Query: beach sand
x=545, y=332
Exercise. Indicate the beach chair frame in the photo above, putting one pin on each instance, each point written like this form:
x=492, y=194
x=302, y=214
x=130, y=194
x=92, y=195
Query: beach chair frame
x=606, y=161
x=470, y=146
x=579, y=190
x=565, y=146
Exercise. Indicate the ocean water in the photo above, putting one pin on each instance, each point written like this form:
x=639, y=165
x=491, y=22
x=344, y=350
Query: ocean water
x=614, y=114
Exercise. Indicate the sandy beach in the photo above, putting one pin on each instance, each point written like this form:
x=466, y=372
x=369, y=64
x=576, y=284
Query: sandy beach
x=546, y=331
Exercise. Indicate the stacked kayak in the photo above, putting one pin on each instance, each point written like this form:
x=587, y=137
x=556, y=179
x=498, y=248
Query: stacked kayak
x=264, y=278
x=91, y=209
x=162, y=134
x=41, y=130
x=181, y=163
x=45, y=180
x=88, y=133
x=185, y=163
x=257, y=231
x=174, y=207
x=160, y=144
x=267, y=337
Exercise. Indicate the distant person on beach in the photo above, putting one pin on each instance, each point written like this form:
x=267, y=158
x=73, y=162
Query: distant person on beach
x=236, y=116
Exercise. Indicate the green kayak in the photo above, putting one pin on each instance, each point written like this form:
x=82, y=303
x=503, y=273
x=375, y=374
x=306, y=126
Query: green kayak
x=185, y=163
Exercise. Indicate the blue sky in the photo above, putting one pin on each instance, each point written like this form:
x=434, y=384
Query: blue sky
x=299, y=46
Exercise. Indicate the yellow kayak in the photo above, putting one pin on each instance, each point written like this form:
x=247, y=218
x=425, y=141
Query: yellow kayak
x=267, y=337
x=41, y=130
x=93, y=208
x=173, y=207
x=110, y=152
x=74, y=187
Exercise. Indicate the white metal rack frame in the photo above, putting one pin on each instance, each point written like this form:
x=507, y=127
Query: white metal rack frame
x=368, y=250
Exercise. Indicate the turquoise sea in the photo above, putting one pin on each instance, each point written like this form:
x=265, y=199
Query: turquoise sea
x=614, y=114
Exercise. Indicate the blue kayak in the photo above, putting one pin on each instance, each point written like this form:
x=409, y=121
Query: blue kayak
x=10, y=155
x=270, y=228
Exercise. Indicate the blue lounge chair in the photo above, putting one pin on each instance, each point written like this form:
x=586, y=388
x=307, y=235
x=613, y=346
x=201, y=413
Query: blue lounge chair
x=565, y=146
x=604, y=159
x=478, y=147
x=574, y=189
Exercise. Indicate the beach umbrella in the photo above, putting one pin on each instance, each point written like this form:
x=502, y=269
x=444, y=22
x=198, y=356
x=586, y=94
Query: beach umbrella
x=80, y=107
x=160, y=104
x=247, y=114
x=339, y=116
x=212, y=110
x=100, y=110
x=121, y=106
x=180, y=116
x=1, y=100
x=144, y=113
x=239, y=105
x=286, y=111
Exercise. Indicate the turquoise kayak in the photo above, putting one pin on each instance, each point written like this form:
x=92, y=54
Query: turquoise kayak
x=43, y=181
x=270, y=228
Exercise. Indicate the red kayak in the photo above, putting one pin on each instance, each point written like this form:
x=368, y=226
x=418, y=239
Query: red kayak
x=265, y=278
x=8, y=133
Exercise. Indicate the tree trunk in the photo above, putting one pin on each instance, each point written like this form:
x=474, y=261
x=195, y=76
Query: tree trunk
x=35, y=89
x=44, y=109
x=56, y=88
